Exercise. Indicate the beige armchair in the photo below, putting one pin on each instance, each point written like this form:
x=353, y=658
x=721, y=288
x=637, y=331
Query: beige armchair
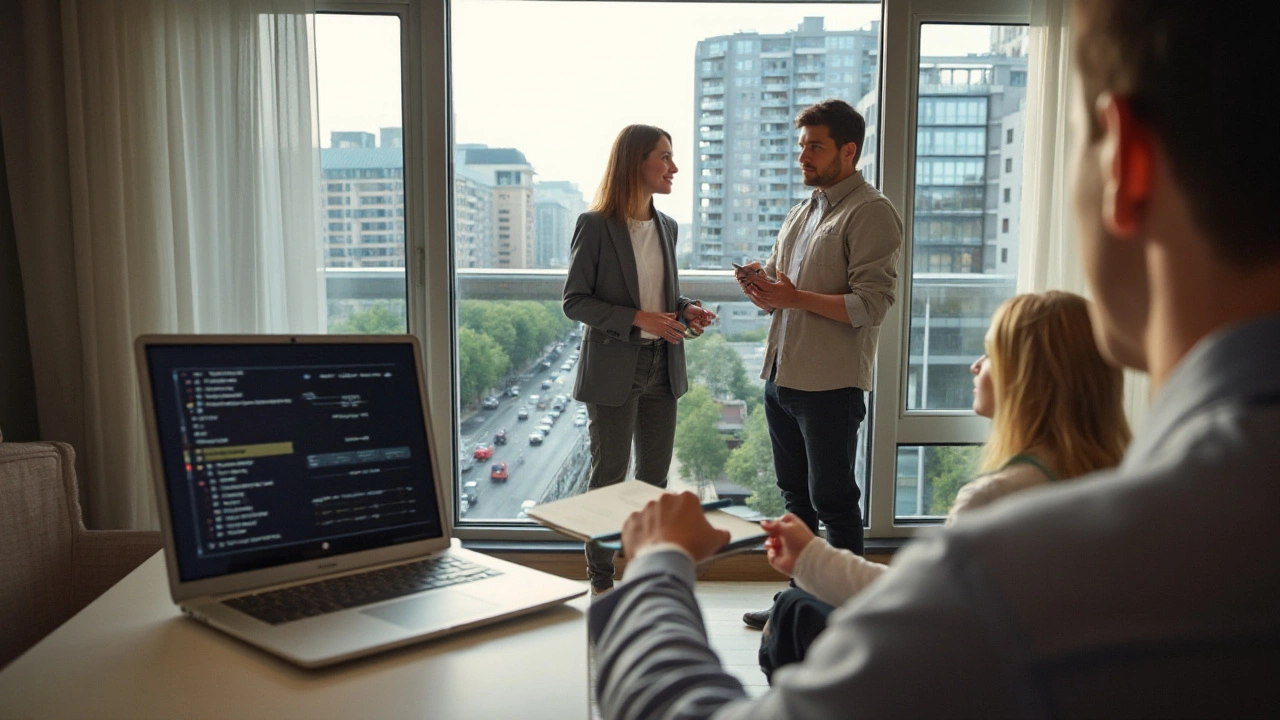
x=50, y=565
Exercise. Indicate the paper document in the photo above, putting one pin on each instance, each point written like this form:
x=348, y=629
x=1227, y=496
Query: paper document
x=603, y=511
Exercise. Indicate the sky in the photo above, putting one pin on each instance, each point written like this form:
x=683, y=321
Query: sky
x=558, y=80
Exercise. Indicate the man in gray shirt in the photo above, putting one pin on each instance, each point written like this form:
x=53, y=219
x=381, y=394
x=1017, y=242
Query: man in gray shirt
x=1152, y=590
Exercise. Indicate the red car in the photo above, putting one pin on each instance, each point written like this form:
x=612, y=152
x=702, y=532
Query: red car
x=483, y=452
x=498, y=471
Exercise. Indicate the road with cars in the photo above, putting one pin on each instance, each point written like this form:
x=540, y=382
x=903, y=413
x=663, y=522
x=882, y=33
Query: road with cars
x=529, y=467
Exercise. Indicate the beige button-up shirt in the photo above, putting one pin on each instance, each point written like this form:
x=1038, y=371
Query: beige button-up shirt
x=854, y=252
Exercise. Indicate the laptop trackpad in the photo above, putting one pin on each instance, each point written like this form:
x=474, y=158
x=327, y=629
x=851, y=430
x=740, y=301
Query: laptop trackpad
x=442, y=609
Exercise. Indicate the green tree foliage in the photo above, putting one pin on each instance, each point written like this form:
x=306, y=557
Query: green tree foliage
x=751, y=466
x=699, y=445
x=520, y=330
x=481, y=363
x=947, y=469
x=714, y=364
x=380, y=319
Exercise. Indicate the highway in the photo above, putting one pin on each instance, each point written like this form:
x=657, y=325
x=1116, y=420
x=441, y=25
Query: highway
x=530, y=468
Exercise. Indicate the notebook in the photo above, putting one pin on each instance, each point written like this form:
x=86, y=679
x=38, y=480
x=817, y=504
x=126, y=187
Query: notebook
x=302, y=500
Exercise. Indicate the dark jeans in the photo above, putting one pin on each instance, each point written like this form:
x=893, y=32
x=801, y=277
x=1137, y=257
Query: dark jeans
x=815, y=447
x=647, y=419
x=797, y=620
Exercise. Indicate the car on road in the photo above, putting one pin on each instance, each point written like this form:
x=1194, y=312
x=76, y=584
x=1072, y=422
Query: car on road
x=541, y=404
x=545, y=428
x=546, y=385
x=535, y=438
x=567, y=366
x=463, y=507
x=465, y=463
x=533, y=399
x=513, y=391
x=545, y=364
x=498, y=472
x=483, y=452
x=522, y=413
x=574, y=356
x=579, y=420
x=500, y=437
x=471, y=491
x=524, y=509
x=489, y=403
x=554, y=412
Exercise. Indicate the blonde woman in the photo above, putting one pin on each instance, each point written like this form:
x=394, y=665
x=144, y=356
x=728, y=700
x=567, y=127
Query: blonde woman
x=622, y=284
x=1056, y=413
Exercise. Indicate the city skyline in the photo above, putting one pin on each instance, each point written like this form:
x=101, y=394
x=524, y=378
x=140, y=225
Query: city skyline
x=501, y=102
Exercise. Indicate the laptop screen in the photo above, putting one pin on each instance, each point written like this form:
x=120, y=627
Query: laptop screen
x=279, y=453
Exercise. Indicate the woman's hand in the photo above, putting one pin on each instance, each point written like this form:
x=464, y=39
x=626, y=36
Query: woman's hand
x=698, y=317
x=788, y=537
x=664, y=325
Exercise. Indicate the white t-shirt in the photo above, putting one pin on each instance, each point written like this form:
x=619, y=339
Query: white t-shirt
x=649, y=266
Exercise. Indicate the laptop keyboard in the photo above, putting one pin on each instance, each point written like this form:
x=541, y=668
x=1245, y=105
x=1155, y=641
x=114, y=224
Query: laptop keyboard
x=319, y=598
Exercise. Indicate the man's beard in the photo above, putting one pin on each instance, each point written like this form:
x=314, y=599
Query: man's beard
x=825, y=177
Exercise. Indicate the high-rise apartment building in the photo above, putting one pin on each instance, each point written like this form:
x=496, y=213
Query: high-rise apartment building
x=748, y=88
x=556, y=206
x=362, y=197
x=511, y=176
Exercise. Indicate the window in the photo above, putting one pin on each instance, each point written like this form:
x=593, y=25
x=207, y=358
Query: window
x=511, y=331
x=960, y=272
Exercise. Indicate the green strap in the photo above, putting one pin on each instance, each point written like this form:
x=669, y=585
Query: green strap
x=1024, y=459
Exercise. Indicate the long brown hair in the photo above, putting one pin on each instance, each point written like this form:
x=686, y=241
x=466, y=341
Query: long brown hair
x=619, y=193
x=1053, y=391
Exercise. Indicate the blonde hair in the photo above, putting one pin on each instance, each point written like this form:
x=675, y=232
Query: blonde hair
x=619, y=193
x=1053, y=391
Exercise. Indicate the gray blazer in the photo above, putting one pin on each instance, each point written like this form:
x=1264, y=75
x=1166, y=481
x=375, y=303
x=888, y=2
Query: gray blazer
x=602, y=291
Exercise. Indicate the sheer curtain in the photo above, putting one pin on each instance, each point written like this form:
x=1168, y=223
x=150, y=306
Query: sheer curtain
x=170, y=175
x=1048, y=258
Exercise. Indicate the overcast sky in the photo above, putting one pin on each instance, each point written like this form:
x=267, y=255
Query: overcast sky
x=557, y=80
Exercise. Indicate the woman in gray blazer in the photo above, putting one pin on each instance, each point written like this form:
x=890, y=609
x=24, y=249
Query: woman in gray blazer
x=622, y=285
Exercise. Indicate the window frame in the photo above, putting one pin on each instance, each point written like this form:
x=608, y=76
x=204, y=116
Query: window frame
x=899, y=77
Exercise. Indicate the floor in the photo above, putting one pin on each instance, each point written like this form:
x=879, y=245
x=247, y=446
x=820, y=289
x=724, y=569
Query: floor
x=722, y=606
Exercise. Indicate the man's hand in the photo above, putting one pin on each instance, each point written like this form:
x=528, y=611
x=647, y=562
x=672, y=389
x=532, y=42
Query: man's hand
x=788, y=537
x=664, y=325
x=780, y=294
x=677, y=518
x=749, y=274
x=698, y=317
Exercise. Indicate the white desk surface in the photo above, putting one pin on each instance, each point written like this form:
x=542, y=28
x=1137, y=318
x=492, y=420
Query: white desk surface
x=132, y=654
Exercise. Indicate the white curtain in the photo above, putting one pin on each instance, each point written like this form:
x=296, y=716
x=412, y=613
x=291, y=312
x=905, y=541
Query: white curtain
x=1048, y=257
x=171, y=166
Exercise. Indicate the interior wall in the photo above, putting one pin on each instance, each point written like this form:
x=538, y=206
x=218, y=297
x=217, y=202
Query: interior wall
x=18, y=417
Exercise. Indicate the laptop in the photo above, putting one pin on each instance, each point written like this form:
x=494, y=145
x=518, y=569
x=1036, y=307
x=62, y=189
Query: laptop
x=302, y=500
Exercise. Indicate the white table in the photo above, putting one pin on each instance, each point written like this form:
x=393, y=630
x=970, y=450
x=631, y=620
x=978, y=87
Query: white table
x=132, y=654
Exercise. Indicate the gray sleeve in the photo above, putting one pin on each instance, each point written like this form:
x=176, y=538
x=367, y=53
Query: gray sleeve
x=873, y=242
x=917, y=643
x=580, y=302
x=652, y=657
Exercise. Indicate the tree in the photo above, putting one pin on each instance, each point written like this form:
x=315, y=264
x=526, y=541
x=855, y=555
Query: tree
x=947, y=469
x=380, y=319
x=751, y=466
x=713, y=363
x=481, y=364
x=699, y=445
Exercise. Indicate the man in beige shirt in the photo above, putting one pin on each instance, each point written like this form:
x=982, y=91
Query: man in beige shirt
x=828, y=282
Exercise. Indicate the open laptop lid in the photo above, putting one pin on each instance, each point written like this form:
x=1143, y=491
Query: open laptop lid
x=281, y=458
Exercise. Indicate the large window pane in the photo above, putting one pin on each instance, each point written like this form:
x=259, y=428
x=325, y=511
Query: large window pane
x=362, y=171
x=540, y=89
x=928, y=478
x=968, y=165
